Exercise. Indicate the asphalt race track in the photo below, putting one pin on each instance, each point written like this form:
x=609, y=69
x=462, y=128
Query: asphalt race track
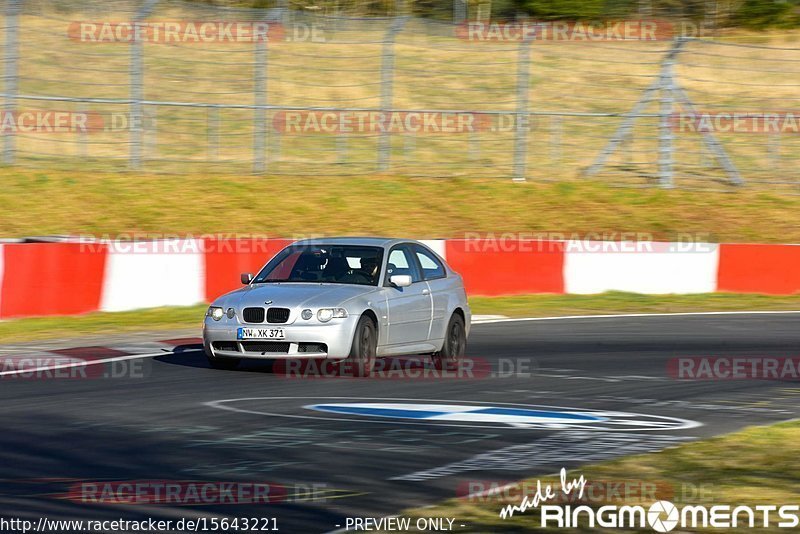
x=602, y=386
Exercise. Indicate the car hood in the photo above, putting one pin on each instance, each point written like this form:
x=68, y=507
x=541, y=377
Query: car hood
x=296, y=295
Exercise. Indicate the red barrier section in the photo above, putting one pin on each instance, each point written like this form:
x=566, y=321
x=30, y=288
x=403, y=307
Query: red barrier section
x=51, y=278
x=772, y=269
x=491, y=268
x=226, y=259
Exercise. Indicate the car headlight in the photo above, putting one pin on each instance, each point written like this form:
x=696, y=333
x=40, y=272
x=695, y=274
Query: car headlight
x=215, y=312
x=231, y=313
x=307, y=314
x=326, y=314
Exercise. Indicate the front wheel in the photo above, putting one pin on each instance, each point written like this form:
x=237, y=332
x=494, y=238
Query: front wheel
x=361, y=360
x=455, y=344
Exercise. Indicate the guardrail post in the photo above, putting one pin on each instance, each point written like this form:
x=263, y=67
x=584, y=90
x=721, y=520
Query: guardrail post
x=260, y=102
x=10, y=80
x=522, y=118
x=387, y=93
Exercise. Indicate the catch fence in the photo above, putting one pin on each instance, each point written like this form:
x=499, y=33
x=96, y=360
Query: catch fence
x=172, y=86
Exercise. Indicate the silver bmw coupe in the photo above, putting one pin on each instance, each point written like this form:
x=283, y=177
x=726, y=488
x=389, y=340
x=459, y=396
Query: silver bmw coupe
x=351, y=299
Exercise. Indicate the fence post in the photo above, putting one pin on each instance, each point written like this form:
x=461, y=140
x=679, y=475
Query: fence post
x=260, y=102
x=665, y=133
x=459, y=11
x=137, y=95
x=666, y=85
x=522, y=118
x=136, y=73
x=387, y=81
x=10, y=84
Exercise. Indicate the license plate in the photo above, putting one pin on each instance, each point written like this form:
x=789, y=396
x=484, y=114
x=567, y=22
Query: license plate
x=260, y=333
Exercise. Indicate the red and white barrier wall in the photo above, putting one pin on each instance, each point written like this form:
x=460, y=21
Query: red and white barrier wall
x=65, y=278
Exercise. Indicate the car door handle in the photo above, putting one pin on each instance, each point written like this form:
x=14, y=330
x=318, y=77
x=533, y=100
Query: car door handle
x=426, y=291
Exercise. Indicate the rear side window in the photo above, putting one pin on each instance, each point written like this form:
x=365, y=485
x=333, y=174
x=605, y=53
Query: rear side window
x=432, y=268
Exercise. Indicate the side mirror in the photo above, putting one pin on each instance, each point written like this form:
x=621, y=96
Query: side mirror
x=246, y=278
x=400, y=280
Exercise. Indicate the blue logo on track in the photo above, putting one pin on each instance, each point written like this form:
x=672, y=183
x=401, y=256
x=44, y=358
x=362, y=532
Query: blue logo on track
x=461, y=413
x=452, y=413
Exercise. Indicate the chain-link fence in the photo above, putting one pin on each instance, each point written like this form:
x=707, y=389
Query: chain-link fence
x=171, y=86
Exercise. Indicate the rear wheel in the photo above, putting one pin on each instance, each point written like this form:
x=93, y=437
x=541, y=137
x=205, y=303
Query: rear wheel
x=455, y=344
x=361, y=360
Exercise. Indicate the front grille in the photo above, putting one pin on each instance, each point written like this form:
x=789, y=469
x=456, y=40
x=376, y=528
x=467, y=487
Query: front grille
x=277, y=315
x=277, y=347
x=253, y=315
x=312, y=347
x=225, y=345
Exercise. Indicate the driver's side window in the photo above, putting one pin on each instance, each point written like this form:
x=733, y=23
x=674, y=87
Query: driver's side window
x=402, y=262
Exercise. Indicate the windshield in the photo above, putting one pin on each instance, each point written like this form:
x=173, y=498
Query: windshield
x=340, y=264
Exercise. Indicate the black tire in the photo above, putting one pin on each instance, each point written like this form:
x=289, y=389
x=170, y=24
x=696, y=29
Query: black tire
x=361, y=360
x=455, y=344
x=226, y=364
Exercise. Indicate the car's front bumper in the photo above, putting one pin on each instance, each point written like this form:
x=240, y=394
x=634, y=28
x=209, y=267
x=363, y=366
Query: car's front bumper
x=337, y=336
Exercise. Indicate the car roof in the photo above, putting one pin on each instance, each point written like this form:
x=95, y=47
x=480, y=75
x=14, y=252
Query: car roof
x=366, y=241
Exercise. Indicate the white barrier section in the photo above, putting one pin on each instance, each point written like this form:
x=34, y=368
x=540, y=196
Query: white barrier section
x=148, y=274
x=650, y=268
x=436, y=245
